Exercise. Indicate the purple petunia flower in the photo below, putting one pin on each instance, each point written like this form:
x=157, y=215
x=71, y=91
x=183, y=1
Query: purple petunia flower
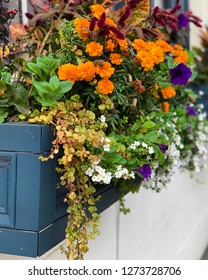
x=180, y=74
x=190, y=111
x=182, y=21
x=145, y=171
x=163, y=147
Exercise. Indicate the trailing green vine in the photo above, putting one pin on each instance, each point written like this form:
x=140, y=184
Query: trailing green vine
x=77, y=133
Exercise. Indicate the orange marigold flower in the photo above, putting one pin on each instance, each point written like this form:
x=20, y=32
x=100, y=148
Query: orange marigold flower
x=157, y=54
x=116, y=58
x=122, y=44
x=139, y=44
x=178, y=47
x=146, y=60
x=105, y=70
x=97, y=10
x=105, y=86
x=168, y=92
x=82, y=27
x=110, y=45
x=94, y=49
x=68, y=72
x=180, y=56
x=86, y=71
x=164, y=45
x=165, y=107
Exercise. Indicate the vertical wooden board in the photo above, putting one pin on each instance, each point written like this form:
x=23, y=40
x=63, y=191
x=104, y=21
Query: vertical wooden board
x=52, y=235
x=7, y=189
x=35, y=192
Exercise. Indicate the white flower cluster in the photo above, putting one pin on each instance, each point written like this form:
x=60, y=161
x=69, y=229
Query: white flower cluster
x=136, y=144
x=100, y=175
x=197, y=158
x=123, y=173
x=106, y=146
x=159, y=179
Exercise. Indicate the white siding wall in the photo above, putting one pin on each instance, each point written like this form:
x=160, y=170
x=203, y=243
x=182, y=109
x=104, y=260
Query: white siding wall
x=170, y=225
x=200, y=9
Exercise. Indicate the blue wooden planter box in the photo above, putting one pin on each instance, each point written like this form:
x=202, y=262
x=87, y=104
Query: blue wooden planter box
x=32, y=211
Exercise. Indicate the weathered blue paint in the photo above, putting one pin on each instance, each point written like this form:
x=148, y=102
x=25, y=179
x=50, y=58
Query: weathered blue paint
x=25, y=137
x=32, y=212
x=7, y=189
x=17, y=242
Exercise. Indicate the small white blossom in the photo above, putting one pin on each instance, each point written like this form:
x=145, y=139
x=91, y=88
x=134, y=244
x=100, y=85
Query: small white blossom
x=202, y=116
x=106, y=148
x=102, y=118
x=133, y=146
x=201, y=92
x=144, y=145
x=201, y=106
x=89, y=172
x=151, y=150
x=105, y=140
x=132, y=175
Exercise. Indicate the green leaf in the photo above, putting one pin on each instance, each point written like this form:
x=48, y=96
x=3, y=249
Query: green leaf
x=19, y=62
x=64, y=87
x=75, y=98
x=112, y=149
x=54, y=82
x=116, y=158
x=34, y=68
x=91, y=115
x=6, y=77
x=151, y=137
x=42, y=87
x=92, y=209
x=135, y=126
x=20, y=99
x=171, y=63
x=193, y=76
x=46, y=100
x=91, y=201
x=3, y=115
x=191, y=93
x=148, y=124
x=132, y=161
x=152, y=115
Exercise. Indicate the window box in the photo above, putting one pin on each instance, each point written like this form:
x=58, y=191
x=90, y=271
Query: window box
x=32, y=212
